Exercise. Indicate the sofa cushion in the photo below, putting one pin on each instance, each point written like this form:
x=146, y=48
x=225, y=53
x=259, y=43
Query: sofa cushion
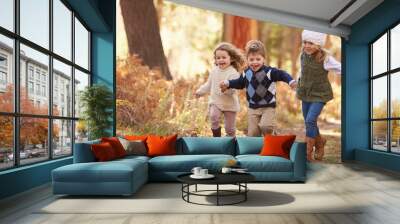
x=136, y=137
x=277, y=145
x=133, y=157
x=112, y=171
x=83, y=152
x=161, y=145
x=249, y=145
x=135, y=147
x=257, y=163
x=116, y=145
x=93, y=172
x=185, y=163
x=133, y=162
x=103, y=151
x=206, y=145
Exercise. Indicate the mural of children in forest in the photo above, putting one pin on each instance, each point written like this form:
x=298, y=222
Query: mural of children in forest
x=314, y=88
x=259, y=81
x=229, y=61
x=159, y=89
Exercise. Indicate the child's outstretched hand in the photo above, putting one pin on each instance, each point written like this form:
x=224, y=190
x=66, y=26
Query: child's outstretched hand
x=293, y=85
x=223, y=86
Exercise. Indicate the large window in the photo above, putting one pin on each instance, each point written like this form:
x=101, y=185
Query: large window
x=44, y=64
x=385, y=95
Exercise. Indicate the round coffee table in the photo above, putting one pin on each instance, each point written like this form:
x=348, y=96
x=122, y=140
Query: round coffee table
x=238, y=179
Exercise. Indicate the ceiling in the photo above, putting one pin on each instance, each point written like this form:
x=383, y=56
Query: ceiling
x=327, y=16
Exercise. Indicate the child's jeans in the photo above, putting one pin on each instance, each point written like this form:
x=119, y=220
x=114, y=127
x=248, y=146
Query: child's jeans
x=311, y=111
x=261, y=121
x=229, y=117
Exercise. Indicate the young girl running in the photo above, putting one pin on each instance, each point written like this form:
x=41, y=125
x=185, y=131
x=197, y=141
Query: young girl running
x=229, y=62
x=314, y=89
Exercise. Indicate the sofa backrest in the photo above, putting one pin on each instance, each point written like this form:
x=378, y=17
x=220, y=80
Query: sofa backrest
x=249, y=145
x=83, y=152
x=205, y=145
x=190, y=146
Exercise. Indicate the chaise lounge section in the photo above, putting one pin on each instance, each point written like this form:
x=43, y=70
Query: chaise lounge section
x=88, y=177
x=125, y=176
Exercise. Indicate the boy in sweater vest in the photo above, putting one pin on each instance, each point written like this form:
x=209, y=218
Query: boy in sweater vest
x=260, y=83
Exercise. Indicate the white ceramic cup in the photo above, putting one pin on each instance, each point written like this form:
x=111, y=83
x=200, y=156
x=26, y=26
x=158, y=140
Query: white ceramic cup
x=226, y=170
x=196, y=170
x=203, y=172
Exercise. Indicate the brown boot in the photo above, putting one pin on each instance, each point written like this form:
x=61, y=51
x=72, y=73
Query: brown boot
x=310, y=148
x=216, y=132
x=267, y=130
x=319, y=147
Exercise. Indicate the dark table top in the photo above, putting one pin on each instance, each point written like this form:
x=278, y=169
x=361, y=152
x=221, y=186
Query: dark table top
x=220, y=178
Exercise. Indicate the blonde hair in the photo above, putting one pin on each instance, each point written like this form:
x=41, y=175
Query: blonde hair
x=237, y=59
x=255, y=47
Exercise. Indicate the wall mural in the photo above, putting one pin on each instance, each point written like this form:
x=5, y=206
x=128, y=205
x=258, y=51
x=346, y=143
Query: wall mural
x=165, y=55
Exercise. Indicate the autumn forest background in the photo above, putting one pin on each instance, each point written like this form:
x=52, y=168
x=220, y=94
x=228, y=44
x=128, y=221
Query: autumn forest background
x=164, y=53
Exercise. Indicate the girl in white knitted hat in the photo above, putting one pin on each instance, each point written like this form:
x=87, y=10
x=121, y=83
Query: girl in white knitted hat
x=229, y=62
x=314, y=88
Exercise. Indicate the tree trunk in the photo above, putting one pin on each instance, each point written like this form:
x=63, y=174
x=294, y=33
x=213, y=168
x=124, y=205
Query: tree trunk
x=143, y=34
x=265, y=36
x=227, y=28
x=239, y=30
x=281, y=48
x=328, y=42
x=295, y=51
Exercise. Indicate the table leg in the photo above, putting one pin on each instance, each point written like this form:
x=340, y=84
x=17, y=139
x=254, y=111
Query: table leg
x=196, y=188
x=217, y=194
x=188, y=190
x=182, y=190
x=245, y=193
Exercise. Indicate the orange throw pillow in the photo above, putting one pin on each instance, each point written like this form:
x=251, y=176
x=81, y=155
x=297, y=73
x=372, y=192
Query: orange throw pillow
x=136, y=137
x=116, y=145
x=277, y=145
x=103, y=152
x=161, y=145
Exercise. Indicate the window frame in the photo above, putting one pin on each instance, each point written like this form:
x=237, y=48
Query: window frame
x=388, y=74
x=16, y=114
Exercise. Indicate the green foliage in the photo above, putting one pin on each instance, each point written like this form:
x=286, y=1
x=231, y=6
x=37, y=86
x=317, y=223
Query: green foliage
x=189, y=36
x=380, y=127
x=97, y=104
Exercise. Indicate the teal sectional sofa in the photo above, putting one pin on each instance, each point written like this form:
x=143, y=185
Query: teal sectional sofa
x=125, y=176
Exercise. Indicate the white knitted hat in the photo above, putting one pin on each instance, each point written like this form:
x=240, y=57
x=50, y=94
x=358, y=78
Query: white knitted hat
x=314, y=37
